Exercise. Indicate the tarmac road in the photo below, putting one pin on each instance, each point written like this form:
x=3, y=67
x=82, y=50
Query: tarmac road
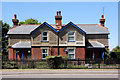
x=64, y=73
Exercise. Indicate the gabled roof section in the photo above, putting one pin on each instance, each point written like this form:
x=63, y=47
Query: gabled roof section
x=70, y=23
x=45, y=23
x=28, y=29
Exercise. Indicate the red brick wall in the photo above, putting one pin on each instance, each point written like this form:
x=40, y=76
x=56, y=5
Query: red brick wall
x=10, y=54
x=62, y=52
x=80, y=53
x=55, y=51
x=36, y=53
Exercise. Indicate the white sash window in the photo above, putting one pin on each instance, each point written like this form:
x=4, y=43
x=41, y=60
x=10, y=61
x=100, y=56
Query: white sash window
x=44, y=36
x=44, y=53
x=71, y=36
x=71, y=53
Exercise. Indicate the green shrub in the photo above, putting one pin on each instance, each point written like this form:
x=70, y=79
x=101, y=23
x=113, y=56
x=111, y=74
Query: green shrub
x=54, y=62
x=22, y=66
x=9, y=65
x=65, y=58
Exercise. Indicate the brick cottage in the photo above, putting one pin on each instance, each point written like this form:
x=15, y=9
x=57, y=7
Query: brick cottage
x=73, y=40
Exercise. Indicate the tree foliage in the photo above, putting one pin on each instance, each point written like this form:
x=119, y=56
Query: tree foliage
x=5, y=28
x=107, y=53
x=21, y=23
x=116, y=50
x=0, y=36
x=30, y=21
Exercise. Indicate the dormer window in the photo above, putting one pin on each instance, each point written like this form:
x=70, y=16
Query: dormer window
x=71, y=36
x=44, y=36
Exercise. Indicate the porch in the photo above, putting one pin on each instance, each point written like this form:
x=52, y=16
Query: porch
x=21, y=54
x=95, y=50
x=21, y=50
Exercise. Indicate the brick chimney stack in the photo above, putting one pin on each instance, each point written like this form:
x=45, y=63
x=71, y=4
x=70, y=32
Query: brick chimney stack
x=15, y=21
x=58, y=20
x=102, y=21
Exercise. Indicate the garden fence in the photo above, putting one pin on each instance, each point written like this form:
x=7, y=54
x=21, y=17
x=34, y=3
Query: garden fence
x=66, y=64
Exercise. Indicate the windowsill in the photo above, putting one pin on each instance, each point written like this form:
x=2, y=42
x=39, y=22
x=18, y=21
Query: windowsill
x=43, y=58
x=71, y=59
x=71, y=41
x=44, y=41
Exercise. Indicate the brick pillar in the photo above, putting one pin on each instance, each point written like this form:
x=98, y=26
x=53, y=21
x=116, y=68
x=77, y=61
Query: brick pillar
x=10, y=53
x=18, y=57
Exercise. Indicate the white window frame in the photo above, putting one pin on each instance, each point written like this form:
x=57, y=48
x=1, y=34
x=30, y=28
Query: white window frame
x=71, y=53
x=71, y=36
x=44, y=36
x=43, y=53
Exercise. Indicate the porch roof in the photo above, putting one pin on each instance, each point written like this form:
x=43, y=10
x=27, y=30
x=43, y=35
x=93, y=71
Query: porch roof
x=96, y=44
x=22, y=44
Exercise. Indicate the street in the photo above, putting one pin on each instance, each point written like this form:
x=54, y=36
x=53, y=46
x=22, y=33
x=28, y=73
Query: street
x=68, y=73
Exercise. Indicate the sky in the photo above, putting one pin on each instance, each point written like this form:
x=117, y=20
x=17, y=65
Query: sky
x=77, y=12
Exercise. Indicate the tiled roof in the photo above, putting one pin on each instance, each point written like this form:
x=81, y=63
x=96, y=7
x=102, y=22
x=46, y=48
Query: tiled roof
x=93, y=29
x=23, y=29
x=54, y=25
x=87, y=28
x=22, y=44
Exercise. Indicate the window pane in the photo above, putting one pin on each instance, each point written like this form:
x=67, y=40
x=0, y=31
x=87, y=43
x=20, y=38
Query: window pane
x=71, y=33
x=44, y=55
x=44, y=50
x=44, y=33
x=44, y=38
x=71, y=56
x=71, y=38
x=71, y=51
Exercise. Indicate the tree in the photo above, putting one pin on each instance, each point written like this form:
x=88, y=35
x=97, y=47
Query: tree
x=0, y=36
x=116, y=50
x=107, y=53
x=30, y=21
x=21, y=23
x=5, y=28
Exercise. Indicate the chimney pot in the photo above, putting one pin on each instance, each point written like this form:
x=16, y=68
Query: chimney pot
x=59, y=13
x=15, y=16
x=15, y=21
x=102, y=21
x=58, y=21
x=102, y=16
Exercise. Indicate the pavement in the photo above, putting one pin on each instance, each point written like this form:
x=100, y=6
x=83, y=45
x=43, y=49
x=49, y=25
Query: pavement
x=60, y=73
